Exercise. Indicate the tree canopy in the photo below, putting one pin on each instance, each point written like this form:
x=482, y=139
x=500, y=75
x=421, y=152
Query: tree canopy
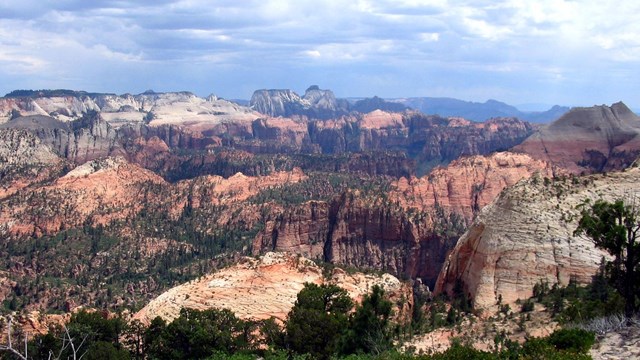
x=318, y=320
x=615, y=227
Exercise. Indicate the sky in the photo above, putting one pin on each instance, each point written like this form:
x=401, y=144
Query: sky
x=518, y=51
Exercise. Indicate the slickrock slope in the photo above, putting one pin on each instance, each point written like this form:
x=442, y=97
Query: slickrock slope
x=622, y=344
x=599, y=138
x=526, y=235
x=264, y=287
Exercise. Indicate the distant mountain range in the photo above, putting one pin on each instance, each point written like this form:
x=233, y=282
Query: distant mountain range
x=478, y=111
x=323, y=104
x=317, y=103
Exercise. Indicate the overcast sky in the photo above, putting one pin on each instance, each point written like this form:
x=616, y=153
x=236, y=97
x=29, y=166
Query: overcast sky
x=518, y=51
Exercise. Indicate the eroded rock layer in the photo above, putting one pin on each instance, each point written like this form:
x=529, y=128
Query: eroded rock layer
x=406, y=231
x=526, y=235
x=266, y=287
x=599, y=138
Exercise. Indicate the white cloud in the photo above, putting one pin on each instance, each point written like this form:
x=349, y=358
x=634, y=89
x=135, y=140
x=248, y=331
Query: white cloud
x=555, y=40
x=429, y=37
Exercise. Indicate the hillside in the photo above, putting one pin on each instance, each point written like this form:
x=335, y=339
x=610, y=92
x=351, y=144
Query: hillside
x=595, y=139
x=114, y=213
x=266, y=287
x=526, y=235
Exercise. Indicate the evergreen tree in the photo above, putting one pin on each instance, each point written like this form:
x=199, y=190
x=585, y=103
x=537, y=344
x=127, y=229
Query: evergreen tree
x=615, y=227
x=318, y=320
x=369, y=326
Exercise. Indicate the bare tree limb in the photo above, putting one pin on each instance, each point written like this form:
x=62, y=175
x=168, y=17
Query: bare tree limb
x=9, y=347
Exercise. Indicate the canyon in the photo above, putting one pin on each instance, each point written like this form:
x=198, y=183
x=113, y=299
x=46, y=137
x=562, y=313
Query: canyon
x=130, y=195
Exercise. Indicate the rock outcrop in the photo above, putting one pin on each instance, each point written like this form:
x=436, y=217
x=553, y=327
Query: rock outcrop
x=265, y=287
x=407, y=234
x=182, y=108
x=468, y=184
x=526, y=236
x=99, y=190
x=599, y=138
x=316, y=103
x=81, y=140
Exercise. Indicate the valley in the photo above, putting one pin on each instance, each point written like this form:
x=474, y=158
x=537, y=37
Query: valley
x=153, y=202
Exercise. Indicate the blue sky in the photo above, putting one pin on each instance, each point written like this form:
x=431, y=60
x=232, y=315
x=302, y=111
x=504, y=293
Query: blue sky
x=518, y=51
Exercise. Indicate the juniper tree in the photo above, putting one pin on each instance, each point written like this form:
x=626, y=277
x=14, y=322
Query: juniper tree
x=615, y=227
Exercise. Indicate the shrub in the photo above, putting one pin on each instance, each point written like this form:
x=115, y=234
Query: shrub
x=573, y=340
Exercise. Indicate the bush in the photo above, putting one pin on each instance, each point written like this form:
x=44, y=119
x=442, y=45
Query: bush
x=573, y=340
x=527, y=306
x=461, y=352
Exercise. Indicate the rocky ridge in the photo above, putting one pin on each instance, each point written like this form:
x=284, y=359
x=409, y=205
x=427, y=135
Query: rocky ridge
x=585, y=140
x=154, y=108
x=266, y=287
x=526, y=235
x=407, y=233
x=315, y=103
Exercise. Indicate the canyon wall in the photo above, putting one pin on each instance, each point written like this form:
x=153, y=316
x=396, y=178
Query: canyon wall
x=526, y=236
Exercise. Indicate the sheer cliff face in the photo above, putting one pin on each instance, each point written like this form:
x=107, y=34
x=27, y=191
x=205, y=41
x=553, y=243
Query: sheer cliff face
x=526, y=235
x=315, y=103
x=406, y=231
x=429, y=140
x=468, y=184
x=599, y=138
x=183, y=121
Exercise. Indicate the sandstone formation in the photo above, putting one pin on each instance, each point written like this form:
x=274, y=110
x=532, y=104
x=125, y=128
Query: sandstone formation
x=99, y=190
x=411, y=231
x=599, y=138
x=468, y=184
x=315, y=103
x=526, y=235
x=265, y=287
x=93, y=128
x=107, y=189
x=155, y=108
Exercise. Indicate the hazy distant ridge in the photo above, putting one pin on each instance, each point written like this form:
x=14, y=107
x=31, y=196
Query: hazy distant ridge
x=478, y=111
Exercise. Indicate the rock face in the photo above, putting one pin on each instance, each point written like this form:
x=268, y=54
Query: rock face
x=265, y=287
x=316, y=103
x=470, y=183
x=411, y=232
x=599, y=138
x=78, y=141
x=526, y=235
x=156, y=108
x=429, y=140
x=81, y=127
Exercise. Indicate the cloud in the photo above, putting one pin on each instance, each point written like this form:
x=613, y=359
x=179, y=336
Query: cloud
x=388, y=47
